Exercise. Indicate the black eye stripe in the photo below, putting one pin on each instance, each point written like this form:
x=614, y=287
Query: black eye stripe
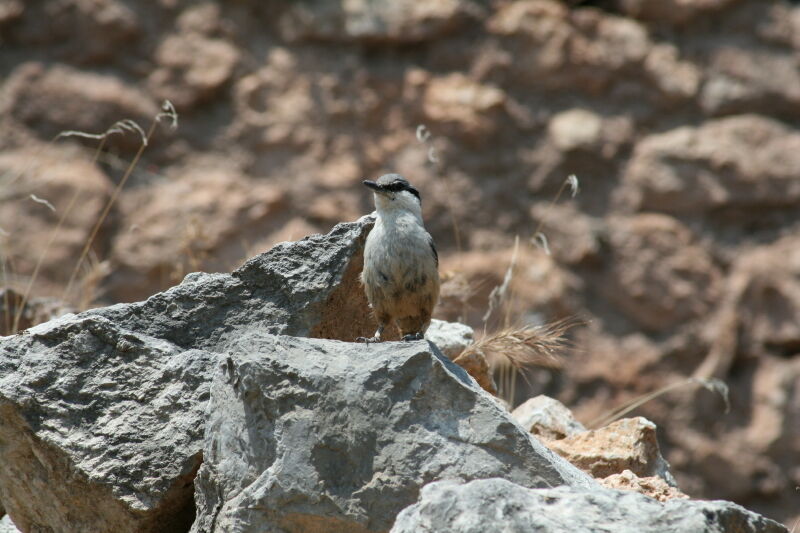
x=395, y=187
x=398, y=186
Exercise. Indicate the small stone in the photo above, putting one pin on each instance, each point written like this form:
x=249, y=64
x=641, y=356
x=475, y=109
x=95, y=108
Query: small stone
x=547, y=418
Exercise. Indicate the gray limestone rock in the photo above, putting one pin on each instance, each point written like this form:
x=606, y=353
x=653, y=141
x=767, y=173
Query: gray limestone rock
x=548, y=418
x=100, y=427
x=320, y=435
x=306, y=288
x=451, y=338
x=500, y=505
x=102, y=413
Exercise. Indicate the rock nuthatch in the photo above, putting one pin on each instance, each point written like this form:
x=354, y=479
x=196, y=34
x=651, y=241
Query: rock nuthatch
x=400, y=275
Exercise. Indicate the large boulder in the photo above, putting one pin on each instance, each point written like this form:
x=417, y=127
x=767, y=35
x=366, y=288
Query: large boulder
x=101, y=413
x=500, y=505
x=320, y=435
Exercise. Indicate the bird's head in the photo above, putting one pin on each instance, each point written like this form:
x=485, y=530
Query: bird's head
x=393, y=191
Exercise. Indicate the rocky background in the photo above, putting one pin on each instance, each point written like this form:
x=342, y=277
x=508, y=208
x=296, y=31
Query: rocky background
x=681, y=252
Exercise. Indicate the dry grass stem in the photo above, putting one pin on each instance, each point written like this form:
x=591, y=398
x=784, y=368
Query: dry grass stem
x=43, y=202
x=423, y=135
x=540, y=240
x=713, y=385
x=168, y=112
x=501, y=293
x=539, y=237
x=26, y=295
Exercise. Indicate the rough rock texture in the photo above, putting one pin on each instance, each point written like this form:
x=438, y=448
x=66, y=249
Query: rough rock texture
x=627, y=444
x=102, y=413
x=685, y=108
x=653, y=486
x=100, y=427
x=499, y=505
x=547, y=418
x=343, y=439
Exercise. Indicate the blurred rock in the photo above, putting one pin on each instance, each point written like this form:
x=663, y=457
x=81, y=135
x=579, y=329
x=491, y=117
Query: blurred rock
x=768, y=280
x=499, y=505
x=627, y=444
x=742, y=161
x=352, y=443
x=676, y=12
x=219, y=215
x=547, y=418
x=652, y=486
x=556, y=48
x=191, y=68
x=64, y=26
x=36, y=180
x=538, y=283
x=460, y=107
x=660, y=276
x=676, y=79
x=399, y=22
x=751, y=80
x=582, y=130
x=575, y=129
x=86, y=101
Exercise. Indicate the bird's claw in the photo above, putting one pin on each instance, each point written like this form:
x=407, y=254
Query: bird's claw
x=413, y=337
x=367, y=340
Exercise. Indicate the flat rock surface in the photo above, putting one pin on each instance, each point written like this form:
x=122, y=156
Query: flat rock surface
x=499, y=505
x=319, y=435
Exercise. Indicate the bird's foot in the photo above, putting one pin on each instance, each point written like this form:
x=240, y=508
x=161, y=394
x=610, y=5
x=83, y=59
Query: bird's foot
x=413, y=337
x=367, y=340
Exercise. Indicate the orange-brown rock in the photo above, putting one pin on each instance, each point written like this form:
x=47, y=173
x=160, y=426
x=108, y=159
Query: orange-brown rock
x=627, y=444
x=652, y=486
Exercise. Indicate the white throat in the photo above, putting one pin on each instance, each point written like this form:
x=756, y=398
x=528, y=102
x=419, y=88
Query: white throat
x=397, y=205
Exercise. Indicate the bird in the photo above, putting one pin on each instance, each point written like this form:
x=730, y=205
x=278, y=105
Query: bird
x=401, y=265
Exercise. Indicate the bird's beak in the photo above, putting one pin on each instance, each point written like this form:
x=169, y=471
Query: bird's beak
x=372, y=185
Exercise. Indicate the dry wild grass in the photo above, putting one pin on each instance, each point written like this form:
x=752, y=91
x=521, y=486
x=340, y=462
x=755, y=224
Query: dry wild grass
x=93, y=269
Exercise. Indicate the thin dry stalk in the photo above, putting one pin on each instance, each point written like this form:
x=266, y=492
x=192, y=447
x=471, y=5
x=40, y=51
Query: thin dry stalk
x=501, y=294
x=713, y=385
x=6, y=301
x=168, y=112
x=539, y=238
x=40, y=260
x=95, y=271
x=423, y=135
x=116, y=128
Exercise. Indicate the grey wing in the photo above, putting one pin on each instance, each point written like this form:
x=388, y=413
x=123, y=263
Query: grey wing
x=433, y=249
